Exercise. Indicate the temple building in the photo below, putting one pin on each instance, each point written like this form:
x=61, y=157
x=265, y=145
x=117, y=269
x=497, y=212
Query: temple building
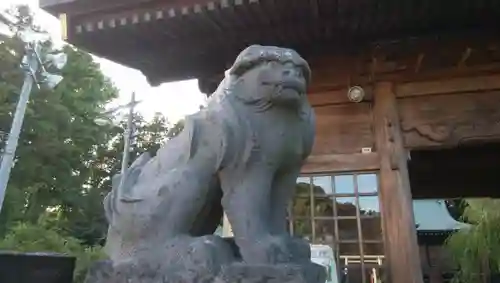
x=406, y=94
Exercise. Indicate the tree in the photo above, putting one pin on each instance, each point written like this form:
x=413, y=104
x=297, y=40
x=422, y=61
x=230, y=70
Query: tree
x=59, y=135
x=87, y=221
x=346, y=212
x=470, y=248
x=65, y=160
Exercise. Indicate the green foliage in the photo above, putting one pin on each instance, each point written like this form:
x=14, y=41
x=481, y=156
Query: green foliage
x=40, y=237
x=64, y=160
x=59, y=133
x=87, y=221
x=471, y=247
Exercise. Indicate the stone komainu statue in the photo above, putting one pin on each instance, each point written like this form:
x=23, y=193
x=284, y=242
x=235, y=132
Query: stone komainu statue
x=241, y=154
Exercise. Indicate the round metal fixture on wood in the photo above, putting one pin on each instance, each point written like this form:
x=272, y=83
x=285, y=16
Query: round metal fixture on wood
x=356, y=94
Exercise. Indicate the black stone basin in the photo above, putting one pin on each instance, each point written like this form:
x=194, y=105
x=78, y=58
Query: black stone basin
x=35, y=268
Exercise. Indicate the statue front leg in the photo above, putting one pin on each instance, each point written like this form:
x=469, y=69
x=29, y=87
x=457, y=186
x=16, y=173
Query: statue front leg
x=281, y=196
x=247, y=203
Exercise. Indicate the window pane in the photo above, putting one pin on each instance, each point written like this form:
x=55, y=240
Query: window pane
x=323, y=206
x=301, y=207
x=303, y=186
x=369, y=206
x=302, y=228
x=373, y=249
x=303, y=180
x=344, y=184
x=322, y=185
x=350, y=262
x=348, y=229
x=371, y=228
x=346, y=206
x=350, y=249
x=324, y=232
x=367, y=183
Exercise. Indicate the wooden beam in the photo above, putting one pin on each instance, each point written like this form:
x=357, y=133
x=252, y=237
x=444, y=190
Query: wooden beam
x=395, y=195
x=327, y=80
x=467, y=186
x=341, y=163
x=338, y=96
x=449, y=120
x=455, y=85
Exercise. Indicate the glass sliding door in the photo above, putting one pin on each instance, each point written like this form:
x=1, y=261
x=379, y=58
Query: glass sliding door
x=342, y=211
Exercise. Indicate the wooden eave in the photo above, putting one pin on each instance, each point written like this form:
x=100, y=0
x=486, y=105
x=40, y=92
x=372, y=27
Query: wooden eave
x=173, y=40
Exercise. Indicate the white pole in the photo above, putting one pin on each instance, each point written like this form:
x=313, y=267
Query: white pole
x=17, y=123
x=127, y=136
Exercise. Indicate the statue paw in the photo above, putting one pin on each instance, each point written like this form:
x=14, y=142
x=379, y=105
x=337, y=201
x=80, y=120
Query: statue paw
x=277, y=249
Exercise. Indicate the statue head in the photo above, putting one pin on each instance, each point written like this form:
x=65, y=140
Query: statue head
x=268, y=76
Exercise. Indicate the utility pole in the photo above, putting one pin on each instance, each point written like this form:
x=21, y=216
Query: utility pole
x=127, y=136
x=17, y=123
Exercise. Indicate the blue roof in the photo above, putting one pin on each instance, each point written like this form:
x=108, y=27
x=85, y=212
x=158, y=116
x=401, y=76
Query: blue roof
x=433, y=215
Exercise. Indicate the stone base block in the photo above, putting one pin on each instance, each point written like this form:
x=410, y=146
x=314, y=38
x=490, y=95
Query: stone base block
x=103, y=272
x=281, y=273
x=207, y=259
x=184, y=260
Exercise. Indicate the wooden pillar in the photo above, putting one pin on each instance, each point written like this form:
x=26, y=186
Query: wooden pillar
x=399, y=228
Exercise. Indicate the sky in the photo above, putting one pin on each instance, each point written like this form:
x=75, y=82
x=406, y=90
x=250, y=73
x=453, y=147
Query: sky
x=174, y=100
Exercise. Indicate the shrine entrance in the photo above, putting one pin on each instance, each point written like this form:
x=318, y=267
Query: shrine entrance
x=468, y=170
x=465, y=171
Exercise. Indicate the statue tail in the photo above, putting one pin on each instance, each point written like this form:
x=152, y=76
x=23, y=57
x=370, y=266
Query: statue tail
x=125, y=192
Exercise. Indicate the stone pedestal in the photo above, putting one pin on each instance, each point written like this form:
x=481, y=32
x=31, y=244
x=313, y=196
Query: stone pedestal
x=207, y=259
x=183, y=260
x=103, y=272
x=282, y=273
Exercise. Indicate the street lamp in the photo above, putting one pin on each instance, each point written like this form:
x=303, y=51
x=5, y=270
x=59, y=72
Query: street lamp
x=6, y=21
x=33, y=66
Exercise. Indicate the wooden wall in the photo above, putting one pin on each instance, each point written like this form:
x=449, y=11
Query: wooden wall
x=343, y=130
x=435, y=113
x=451, y=112
x=446, y=109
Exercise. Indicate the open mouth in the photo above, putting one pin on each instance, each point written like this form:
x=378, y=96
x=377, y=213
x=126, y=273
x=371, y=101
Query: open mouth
x=296, y=85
